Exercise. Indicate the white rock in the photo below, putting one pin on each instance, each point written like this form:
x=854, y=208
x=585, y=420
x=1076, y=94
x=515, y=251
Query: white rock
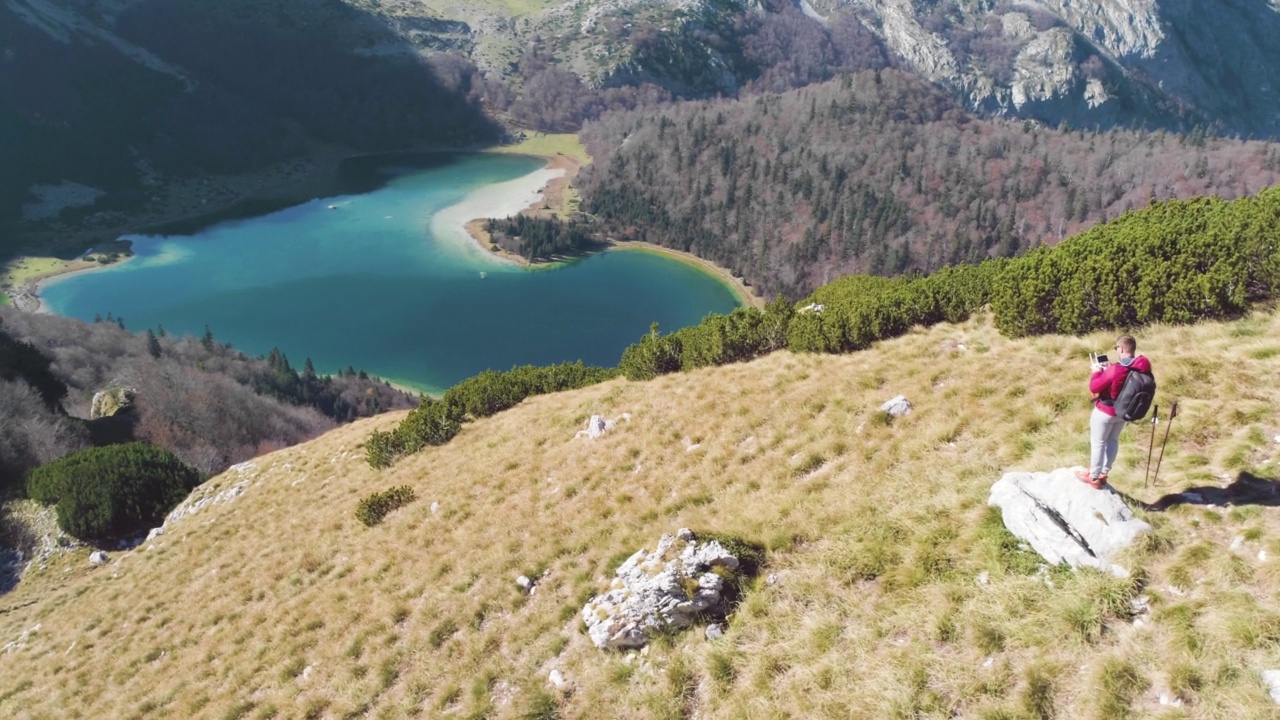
x=1262, y=555
x=435, y=508
x=1170, y=700
x=897, y=406
x=1237, y=542
x=984, y=577
x=524, y=582
x=557, y=680
x=97, y=558
x=714, y=632
x=1271, y=678
x=1065, y=520
x=155, y=533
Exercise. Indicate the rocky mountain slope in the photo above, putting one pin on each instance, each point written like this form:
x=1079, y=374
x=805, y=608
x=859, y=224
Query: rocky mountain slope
x=889, y=589
x=1159, y=63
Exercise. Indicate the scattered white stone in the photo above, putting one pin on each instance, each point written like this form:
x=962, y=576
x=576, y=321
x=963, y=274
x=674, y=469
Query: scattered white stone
x=813, y=308
x=21, y=642
x=97, y=558
x=693, y=447
x=988, y=662
x=772, y=579
x=155, y=533
x=525, y=583
x=1170, y=700
x=897, y=406
x=557, y=680
x=597, y=426
x=1065, y=520
x=714, y=632
x=1237, y=542
x=435, y=508
x=1278, y=439
x=1270, y=678
x=306, y=673
x=984, y=577
x=1262, y=556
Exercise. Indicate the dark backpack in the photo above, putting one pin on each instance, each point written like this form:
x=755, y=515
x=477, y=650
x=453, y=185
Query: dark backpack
x=1136, y=393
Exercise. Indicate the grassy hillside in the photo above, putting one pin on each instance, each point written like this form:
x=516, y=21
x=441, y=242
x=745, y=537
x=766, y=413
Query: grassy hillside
x=280, y=603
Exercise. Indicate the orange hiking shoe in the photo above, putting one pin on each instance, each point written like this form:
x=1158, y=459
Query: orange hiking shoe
x=1094, y=482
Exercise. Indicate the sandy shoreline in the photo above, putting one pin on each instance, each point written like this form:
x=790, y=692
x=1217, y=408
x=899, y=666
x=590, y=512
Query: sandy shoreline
x=543, y=193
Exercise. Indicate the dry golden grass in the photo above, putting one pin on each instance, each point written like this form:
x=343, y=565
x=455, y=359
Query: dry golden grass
x=281, y=604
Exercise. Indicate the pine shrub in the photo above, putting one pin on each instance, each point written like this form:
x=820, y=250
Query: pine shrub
x=112, y=491
x=374, y=508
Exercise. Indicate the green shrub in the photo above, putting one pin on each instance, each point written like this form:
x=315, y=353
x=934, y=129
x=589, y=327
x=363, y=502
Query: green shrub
x=435, y=422
x=374, y=508
x=112, y=491
x=1175, y=262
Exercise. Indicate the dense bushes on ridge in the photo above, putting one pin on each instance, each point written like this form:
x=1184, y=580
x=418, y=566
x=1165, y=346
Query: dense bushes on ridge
x=1176, y=262
x=112, y=491
x=435, y=422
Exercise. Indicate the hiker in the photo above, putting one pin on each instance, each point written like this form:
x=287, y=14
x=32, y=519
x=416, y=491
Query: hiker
x=1104, y=425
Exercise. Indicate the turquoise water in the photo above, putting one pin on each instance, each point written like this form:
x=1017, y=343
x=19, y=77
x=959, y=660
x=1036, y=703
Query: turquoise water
x=362, y=280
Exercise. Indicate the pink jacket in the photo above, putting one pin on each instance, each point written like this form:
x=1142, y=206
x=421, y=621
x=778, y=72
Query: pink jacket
x=1105, y=383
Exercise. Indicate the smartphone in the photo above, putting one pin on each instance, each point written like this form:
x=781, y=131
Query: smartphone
x=1102, y=359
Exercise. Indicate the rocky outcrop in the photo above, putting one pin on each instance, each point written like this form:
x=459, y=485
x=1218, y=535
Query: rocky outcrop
x=1168, y=63
x=665, y=589
x=110, y=400
x=1065, y=520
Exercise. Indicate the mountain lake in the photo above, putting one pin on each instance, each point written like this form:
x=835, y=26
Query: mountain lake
x=385, y=279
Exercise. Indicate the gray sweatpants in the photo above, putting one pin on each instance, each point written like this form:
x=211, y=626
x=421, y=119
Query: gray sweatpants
x=1104, y=441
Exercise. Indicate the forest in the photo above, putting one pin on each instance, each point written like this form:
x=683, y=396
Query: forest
x=878, y=172
x=541, y=239
x=206, y=402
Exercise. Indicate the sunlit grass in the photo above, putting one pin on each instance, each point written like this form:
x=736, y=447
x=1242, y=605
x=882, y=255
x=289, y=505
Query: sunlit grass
x=282, y=604
x=548, y=145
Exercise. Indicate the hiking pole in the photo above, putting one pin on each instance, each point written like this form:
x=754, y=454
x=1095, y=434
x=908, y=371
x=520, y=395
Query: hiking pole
x=1173, y=413
x=1155, y=420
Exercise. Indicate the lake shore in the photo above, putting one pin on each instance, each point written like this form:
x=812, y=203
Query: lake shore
x=548, y=196
x=745, y=294
x=25, y=277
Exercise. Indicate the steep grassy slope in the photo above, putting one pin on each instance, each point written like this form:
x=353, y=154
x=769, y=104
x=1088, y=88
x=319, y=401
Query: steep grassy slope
x=280, y=603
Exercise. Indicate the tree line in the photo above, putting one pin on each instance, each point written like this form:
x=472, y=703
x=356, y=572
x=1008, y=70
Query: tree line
x=878, y=172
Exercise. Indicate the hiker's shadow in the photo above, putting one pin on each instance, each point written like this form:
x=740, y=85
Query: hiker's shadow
x=1248, y=489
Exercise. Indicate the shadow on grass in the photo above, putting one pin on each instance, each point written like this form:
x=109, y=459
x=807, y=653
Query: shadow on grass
x=1247, y=489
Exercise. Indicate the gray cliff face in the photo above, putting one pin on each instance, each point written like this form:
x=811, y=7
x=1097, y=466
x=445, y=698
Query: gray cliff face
x=1155, y=62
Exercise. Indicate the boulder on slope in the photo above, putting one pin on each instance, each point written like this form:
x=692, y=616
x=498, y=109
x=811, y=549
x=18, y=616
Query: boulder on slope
x=1065, y=520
